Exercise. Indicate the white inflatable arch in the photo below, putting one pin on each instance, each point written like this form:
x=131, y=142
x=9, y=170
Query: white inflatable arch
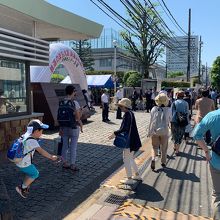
x=61, y=54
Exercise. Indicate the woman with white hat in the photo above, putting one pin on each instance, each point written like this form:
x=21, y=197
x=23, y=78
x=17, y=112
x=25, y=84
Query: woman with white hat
x=158, y=128
x=129, y=127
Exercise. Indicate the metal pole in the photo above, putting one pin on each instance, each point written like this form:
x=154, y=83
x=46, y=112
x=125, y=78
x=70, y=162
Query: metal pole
x=200, y=47
x=189, y=36
x=115, y=51
x=166, y=71
x=206, y=75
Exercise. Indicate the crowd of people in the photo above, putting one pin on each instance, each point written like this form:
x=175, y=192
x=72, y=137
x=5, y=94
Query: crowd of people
x=168, y=112
x=189, y=115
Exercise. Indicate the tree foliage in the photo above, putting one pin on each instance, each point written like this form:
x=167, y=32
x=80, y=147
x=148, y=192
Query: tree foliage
x=56, y=78
x=175, y=74
x=145, y=43
x=175, y=84
x=134, y=79
x=215, y=73
x=127, y=75
x=83, y=49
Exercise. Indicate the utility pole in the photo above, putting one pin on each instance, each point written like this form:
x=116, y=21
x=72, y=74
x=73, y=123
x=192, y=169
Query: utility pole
x=206, y=75
x=200, y=48
x=189, y=36
x=166, y=71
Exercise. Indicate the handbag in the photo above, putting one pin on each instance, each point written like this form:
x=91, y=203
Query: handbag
x=122, y=140
x=181, y=118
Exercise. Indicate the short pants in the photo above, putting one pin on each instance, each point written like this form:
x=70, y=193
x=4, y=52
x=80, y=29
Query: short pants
x=31, y=171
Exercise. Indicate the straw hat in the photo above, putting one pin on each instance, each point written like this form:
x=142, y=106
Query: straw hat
x=162, y=99
x=125, y=102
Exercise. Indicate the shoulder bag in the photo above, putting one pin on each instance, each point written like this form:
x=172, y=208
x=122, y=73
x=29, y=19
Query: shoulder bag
x=122, y=140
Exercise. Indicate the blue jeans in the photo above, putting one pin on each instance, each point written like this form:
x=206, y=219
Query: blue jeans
x=70, y=139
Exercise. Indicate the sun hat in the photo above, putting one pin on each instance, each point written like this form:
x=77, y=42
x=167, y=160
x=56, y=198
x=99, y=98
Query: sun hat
x=124, y=102
x=162, y=99
x=34, y=125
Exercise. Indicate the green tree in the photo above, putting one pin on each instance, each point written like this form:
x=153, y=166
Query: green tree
x=56, y=78
x=215, y=73
x=145, y=42
x=126, y=76
x=134, y=80
x=174, y=74
x=83, y=49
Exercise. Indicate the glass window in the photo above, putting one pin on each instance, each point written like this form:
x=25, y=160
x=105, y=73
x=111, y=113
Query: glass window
x=105, y=62
x=13, y=94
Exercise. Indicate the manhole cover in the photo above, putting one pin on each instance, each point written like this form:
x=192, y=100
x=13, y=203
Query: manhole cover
x=115, y=199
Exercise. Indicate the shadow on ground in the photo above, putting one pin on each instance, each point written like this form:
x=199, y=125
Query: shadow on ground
x=57, y=192
x=147, y=193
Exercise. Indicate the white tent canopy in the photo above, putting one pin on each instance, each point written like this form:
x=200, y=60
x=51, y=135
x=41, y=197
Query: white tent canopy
x=61, y=54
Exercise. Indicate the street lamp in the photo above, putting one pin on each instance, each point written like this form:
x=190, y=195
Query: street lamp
x=115, y=43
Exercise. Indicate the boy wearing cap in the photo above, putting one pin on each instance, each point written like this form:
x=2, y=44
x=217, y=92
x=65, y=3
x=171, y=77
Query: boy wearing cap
x=34, y=131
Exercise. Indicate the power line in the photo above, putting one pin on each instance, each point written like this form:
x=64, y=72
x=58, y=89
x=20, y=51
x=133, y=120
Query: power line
x=183, y=31
x=131, y=26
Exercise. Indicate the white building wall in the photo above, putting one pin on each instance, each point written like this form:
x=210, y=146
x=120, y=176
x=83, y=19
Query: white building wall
x=177, y=56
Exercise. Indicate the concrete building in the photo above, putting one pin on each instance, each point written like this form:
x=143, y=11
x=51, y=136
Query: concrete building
x=104, y=49
x=26, y=29
x=177, y=56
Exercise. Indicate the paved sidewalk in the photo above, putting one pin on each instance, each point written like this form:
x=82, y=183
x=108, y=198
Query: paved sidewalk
x=58, y=192
x=180, y=191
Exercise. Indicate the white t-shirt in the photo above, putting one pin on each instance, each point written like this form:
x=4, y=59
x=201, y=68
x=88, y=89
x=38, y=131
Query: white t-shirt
x=119, y=94
x=77, y=105
x=104, y=98
x=30, y=145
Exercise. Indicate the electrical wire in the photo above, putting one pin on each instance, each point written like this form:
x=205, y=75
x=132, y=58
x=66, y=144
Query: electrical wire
x=183, y=31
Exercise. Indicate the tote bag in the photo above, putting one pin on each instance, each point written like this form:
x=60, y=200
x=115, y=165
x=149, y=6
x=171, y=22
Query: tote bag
x=122, y=140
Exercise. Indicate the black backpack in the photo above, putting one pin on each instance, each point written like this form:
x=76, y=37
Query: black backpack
x=66, y=114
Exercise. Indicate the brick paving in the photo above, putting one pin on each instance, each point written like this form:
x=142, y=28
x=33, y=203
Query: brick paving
x=57, y=191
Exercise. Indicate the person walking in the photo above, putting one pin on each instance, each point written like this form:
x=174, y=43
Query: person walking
x=188, y=129
x=158, y=128
x=105, y=106
x=70, y=133
x=211, y=123
x=204, y=105
x=134, y=98
x=119, y=96
x=148, y=94
x=179, y=108
x=129, y=126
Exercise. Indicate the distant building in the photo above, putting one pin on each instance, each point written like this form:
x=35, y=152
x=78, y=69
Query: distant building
x=103, y=50
x=177, y=56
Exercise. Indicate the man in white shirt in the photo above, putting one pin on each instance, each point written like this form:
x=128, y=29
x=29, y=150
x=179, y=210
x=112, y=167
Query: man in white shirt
x=119, y=96
x=105, y=106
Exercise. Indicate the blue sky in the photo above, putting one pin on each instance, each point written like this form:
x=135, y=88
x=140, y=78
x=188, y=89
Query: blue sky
x=205, y=19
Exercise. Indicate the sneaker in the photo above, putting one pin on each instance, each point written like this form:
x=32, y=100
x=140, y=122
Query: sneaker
x=152, y=165
x=127, y=181
x=138, y=178
x=163, y=165
x=23, y=192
